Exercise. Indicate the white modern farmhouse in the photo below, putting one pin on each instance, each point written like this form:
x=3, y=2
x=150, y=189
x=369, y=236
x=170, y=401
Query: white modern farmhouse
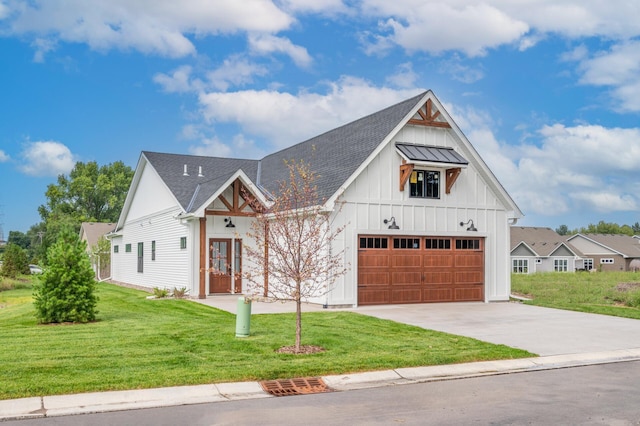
x=426, y=220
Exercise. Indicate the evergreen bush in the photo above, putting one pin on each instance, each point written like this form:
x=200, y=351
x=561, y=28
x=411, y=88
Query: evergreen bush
x=14, y=261
x=66, y=290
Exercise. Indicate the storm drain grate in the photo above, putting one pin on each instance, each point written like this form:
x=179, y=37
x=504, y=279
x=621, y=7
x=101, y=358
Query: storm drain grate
x=300, y=386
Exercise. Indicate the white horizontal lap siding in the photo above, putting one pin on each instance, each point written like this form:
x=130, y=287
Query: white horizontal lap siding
x=170, y=269
x=375, y=196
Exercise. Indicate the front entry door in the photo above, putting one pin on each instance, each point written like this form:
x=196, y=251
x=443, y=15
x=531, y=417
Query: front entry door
x=221, y=267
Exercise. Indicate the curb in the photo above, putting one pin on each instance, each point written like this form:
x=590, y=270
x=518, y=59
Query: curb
x=99, y=402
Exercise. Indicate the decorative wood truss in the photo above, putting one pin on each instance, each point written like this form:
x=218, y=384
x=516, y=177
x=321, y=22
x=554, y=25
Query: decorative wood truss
x=427, y=117
x=451, y=175
x=234, y=208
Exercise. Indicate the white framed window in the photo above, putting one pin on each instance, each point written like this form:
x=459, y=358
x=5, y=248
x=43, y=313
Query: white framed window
x=520, y=266
x=183, y=243
x=606, y=260
x=588, y=264
x=424, y=184
x=560, y=265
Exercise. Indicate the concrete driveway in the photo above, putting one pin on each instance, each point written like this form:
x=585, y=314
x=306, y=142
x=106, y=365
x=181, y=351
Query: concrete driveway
x=539, y=330
x=542, y=331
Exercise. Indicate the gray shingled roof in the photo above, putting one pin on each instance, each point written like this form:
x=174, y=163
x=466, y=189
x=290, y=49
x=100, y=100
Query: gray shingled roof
x=432, y=154
x=543, y=241
x=334, y=156
x=215, y=170
x=624, y=244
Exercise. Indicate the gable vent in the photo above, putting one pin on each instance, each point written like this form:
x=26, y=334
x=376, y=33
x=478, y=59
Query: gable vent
x=185, y=173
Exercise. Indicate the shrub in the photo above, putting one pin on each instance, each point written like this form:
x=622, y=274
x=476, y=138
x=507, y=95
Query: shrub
x=160, y=293
x=14, y=261
x=66, y=290
x=180, y=293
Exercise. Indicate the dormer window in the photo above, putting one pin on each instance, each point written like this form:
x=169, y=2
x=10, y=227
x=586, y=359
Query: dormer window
x=424, y=184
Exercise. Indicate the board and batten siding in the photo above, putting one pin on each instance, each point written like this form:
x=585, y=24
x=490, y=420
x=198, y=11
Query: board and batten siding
x=170, y=269
x=374, y=196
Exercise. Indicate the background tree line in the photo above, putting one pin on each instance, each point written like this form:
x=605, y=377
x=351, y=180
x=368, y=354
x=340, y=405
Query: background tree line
x=601, y=227
x=90, y=193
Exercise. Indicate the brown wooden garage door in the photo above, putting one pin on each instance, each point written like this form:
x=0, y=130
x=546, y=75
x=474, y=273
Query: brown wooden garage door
x=419, y=269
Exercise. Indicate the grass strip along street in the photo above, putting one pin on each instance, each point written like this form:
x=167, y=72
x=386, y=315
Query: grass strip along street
x=607, y=293
x=139, y=343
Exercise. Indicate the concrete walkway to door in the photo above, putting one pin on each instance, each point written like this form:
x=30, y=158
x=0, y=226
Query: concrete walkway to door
x=542, y=331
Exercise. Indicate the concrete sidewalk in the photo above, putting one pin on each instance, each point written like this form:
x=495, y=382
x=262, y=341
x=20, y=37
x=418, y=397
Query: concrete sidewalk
x=65, y=405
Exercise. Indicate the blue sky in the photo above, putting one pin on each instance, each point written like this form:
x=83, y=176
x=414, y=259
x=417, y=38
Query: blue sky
x=548, y=91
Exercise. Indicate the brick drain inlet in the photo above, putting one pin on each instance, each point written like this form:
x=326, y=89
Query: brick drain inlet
x=300, y=386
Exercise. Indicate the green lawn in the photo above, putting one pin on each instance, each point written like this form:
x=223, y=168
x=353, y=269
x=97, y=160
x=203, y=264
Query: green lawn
x=609, y=293
x=140, y=343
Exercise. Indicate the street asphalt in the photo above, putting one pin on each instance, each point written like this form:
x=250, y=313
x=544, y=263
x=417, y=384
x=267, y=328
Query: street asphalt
x=564, y=339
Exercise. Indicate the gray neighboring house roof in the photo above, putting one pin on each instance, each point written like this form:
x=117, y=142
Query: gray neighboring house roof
x=542, y=241
x=92, y=231
x=625, y=245
x=334, y=156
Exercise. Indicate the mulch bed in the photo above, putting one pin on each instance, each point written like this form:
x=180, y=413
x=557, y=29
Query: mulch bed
x=304, y=350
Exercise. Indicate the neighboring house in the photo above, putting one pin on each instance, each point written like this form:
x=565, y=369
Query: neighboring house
x=536, y=249
x=425, y=219
x=91, y=232
x=607, y=252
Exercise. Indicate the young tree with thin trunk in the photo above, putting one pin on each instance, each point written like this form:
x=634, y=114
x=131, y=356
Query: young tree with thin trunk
x=293, y=248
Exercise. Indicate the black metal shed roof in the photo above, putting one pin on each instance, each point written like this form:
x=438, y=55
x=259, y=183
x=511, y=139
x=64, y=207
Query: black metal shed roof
x=430, y=154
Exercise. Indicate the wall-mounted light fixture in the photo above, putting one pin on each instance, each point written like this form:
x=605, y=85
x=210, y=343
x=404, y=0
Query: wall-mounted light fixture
x=229, y=223
x=470, y=223
x=393, y=223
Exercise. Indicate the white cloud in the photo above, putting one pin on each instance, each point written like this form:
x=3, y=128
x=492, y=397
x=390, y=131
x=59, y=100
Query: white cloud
x=285, y=119
x=4, y=11
x=149, y=26
x=266, y=44
x=570, y=168
x=314, y=6
x=179, y=81
x=47, y=158
x=234, y=71
x=212, y=147
x=3, y=156
x=240, y=146
x=472, y=27
x=605, y=202
x=618, y=68
x=458, y=71
x=405, y=76
x=438, y=26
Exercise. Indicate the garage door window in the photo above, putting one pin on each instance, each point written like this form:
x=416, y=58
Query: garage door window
x=374, y=243
x=406, y=243
x=468, y=244
x=437, y=244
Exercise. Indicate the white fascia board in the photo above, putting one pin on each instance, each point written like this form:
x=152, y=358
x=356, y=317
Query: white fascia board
x=143, y=162
x=200, y=211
